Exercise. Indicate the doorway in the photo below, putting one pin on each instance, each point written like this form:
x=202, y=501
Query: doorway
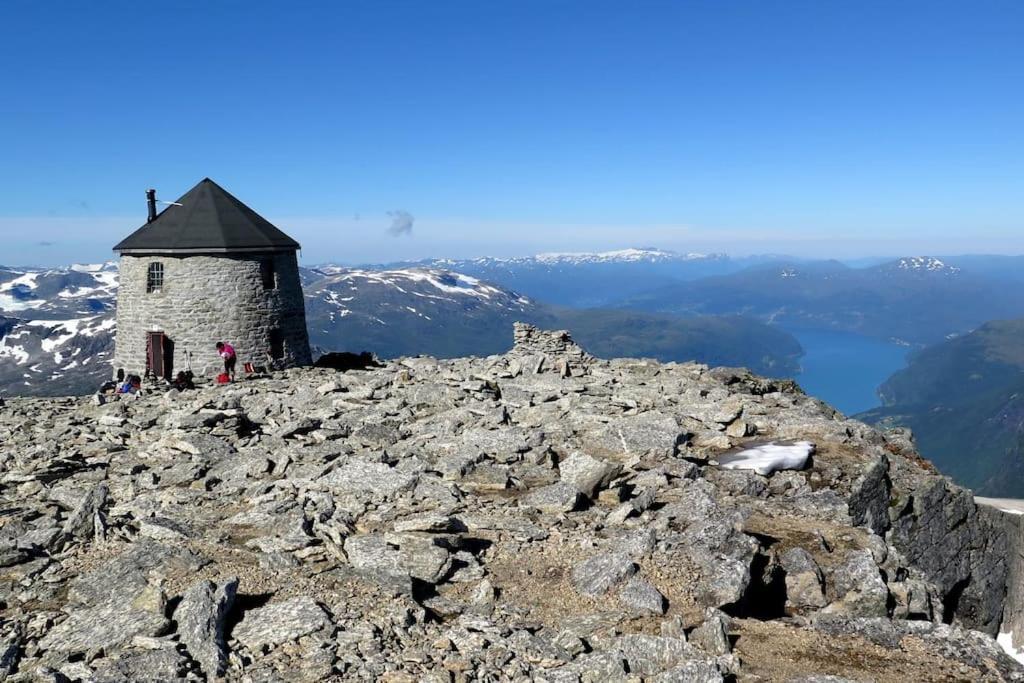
x=159, y=355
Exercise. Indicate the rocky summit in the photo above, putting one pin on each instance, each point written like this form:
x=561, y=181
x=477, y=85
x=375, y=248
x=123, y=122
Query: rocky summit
x=541, y=515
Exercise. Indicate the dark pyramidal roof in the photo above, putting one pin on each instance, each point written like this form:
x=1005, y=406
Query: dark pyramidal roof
x=209, y=220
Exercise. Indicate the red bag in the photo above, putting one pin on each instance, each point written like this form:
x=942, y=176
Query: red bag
x=223, y=378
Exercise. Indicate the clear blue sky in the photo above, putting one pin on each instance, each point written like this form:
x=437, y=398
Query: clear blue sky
x=814, y=128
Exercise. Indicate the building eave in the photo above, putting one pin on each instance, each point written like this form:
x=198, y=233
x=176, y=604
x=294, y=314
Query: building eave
x=206, y=250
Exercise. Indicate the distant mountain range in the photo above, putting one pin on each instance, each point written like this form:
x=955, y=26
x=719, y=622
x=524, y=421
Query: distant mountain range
x=918, y=301
x=57, y=325
x=964, y=399
x=1003, y=268
x=76, y=291
x=591, y=279
x=56, y=328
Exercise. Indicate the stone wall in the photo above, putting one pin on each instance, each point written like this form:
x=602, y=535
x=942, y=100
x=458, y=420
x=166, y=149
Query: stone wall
x=206, y=299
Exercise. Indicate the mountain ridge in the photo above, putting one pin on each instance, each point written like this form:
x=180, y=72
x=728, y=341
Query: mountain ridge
x=964, y=399
x=917, y=300
x=58, y=339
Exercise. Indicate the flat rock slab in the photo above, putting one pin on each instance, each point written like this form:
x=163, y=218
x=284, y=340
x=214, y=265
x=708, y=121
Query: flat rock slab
x=395, y=559
x=650, y=655
x=651, y=433
x=281, y=622
x=369, y=477
x=144, y=665
x=598, y=574
x=106, y=627
x=554, y=498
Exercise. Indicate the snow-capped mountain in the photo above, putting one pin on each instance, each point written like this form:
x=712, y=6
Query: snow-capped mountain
x=919, y=300
x=631, y=255
x=649, y=255
x=76, y=291
x=420, y=310
x=405, y=311
x=433, y=288
x=586, y=279
x=921, y=264
x=55, y=356
x=57, y=326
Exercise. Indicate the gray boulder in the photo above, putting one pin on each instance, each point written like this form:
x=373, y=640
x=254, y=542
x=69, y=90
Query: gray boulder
x=553, y=499
x=712, y=636
x=598, y=574
x=109, y=625
x=859, y=586
x=587, y=474
x=281, y=622
x=804, y=580
x=80, y=524
x=200, y=616
x=640, y=597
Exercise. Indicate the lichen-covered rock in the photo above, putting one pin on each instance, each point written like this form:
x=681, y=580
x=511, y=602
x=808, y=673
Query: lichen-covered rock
x=165, y=664
x=109, y=625
x=712, y=636
x=281, y=622
x=10, y=651
x=81, y=525
x=587, y=474
x=652, y=655
x=555, y=498
x=599, y=573
x=804, y=581
x=641, y=597
x=370, y=477
x=859, y=587
x=200, y=617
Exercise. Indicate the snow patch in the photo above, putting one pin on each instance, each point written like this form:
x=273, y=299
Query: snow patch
x=618, y=255
x=27, y=281
x=448, y=282
x=1005, y=641
x=59, y=331
x=9, y=303
x=18, y=353
x=769, y=457
x=926, y=263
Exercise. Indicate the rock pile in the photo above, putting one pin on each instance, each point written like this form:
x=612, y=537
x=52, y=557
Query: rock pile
x=542, y=515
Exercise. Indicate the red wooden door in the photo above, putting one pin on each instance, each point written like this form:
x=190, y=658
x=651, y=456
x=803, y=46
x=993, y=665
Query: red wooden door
x=160, y=354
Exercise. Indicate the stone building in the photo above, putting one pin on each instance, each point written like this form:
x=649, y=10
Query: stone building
x=207, y=269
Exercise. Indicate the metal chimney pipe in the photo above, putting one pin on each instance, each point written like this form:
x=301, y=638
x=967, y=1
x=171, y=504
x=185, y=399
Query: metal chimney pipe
x=151, y=203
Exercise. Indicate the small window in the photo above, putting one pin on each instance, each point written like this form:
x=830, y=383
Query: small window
x=267, y=274
x=155, y=278
x=276, y=345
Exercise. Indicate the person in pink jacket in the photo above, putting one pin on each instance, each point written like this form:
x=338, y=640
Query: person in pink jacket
x=227, y=352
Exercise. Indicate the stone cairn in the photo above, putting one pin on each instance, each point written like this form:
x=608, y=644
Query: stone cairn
x=536, y=351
